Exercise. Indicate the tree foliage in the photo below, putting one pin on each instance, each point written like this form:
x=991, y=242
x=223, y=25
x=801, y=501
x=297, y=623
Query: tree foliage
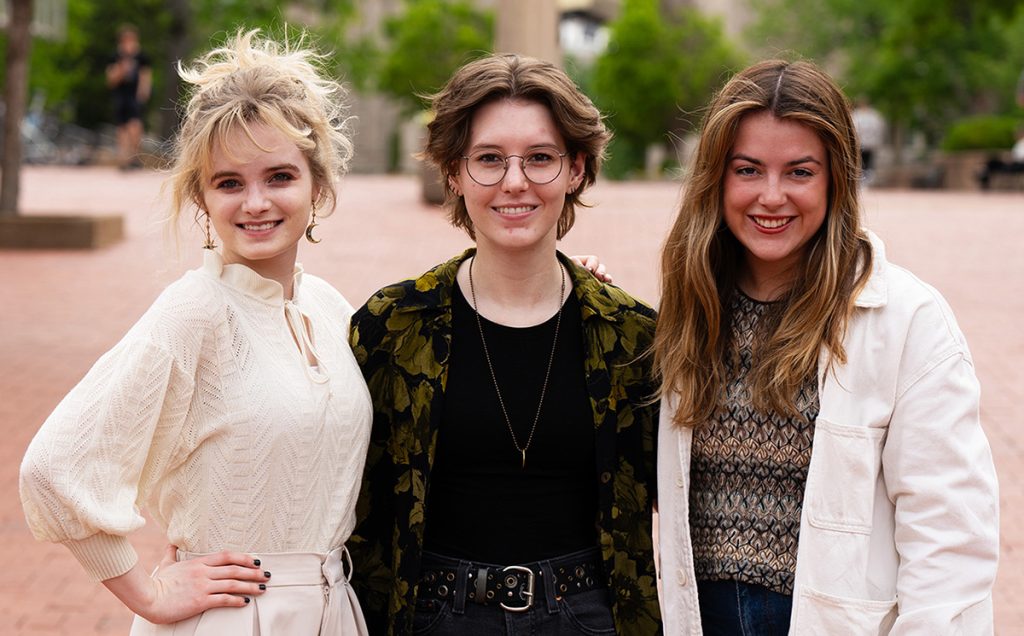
x=923, y=63
x=427, y=42
x=658, y=71
x=70, y=74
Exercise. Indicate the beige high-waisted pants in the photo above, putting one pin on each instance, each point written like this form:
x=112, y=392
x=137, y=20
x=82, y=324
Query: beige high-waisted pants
x=308, y=595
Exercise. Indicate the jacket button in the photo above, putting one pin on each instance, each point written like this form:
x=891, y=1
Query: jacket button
x=681, y=577
x=606, y=477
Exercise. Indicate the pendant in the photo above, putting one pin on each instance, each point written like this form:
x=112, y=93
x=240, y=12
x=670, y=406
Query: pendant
x=524, y=457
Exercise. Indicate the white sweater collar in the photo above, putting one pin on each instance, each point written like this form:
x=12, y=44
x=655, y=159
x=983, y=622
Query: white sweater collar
x=245, y=280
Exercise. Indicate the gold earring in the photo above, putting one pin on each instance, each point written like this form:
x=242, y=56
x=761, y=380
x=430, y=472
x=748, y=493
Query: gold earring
x=309, y=228
x=209, y=244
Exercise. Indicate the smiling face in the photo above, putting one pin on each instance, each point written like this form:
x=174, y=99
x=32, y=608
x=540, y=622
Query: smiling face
x=259, y=197
x=775, y=197
x=515, y=213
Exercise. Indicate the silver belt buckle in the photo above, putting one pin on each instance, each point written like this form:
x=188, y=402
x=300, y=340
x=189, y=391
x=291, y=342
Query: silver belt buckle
x=527, y=593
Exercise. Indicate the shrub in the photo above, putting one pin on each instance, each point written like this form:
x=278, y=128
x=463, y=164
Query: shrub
x=982, y=132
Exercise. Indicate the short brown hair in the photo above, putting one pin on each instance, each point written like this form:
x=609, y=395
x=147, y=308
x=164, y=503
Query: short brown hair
x=513, y=77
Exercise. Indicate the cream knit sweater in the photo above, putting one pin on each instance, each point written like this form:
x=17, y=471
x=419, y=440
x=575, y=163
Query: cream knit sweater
x=207, y=415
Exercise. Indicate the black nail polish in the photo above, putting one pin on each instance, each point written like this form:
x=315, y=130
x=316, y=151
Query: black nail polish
x=263, y=586
x=256, y=562
x=266, y=574
x=246, y=599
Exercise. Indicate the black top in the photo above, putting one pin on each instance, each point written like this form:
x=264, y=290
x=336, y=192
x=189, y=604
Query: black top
x=483, y=505
x=128, y=87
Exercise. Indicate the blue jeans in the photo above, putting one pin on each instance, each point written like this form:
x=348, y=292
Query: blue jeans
x=587, y=612
x=731, y=608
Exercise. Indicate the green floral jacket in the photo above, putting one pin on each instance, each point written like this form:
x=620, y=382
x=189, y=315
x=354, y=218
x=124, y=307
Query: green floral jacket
x=401, y=338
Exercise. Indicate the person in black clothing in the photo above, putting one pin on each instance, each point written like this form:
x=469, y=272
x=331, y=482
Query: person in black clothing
x=129, y=78
x=1014, y=164
x=509, y=483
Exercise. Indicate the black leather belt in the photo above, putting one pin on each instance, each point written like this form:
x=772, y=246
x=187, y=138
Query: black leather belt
x=514, y=587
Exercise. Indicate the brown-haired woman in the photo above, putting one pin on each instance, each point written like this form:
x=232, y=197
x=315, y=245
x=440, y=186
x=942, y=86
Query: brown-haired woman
x=233, y=411
x=821, y=465
x=509, y=483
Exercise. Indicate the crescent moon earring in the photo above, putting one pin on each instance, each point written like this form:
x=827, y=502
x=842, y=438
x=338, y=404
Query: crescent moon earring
x=311, y=226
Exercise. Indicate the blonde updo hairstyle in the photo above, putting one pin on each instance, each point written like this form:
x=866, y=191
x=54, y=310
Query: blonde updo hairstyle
x=249, y=81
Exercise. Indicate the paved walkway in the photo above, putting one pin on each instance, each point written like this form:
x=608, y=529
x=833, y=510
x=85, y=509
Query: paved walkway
x=63, y=309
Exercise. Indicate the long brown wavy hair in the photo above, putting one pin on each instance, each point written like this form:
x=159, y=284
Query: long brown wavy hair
x=701, y=259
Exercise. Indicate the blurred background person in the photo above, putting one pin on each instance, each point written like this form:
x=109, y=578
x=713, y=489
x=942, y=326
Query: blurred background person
x=130, y=79
x=1014, y=164
x=870, y=126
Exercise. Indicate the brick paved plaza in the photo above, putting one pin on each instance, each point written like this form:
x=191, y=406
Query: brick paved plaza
x=61, y=310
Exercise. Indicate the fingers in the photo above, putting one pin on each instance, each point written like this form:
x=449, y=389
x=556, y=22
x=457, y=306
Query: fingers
x=235, y=586
x=222, y=572
x=589, y=261
x=228, y=557
x=226, y=600
x=236, y=566
x=593, y=264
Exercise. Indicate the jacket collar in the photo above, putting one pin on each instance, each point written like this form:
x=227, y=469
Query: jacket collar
x=875, y=292
x=432, y=292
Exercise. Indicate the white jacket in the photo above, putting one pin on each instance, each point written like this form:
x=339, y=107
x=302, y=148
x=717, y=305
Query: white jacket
x=899, y=532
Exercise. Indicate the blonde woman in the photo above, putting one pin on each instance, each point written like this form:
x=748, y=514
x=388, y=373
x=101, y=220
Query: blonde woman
x=233, y=411
x=821, y=466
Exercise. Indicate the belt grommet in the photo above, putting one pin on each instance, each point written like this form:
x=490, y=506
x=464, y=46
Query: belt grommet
x=579, y=571
x=442, y=591
x=590, y=580
x=450, y=576
x=490, y=595
x=562, y=588
x=511, y=581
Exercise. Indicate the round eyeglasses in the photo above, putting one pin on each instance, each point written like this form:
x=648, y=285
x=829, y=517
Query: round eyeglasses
x=540, y=166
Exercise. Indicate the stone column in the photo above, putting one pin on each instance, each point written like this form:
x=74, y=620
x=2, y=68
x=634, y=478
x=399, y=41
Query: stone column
x=528, y=27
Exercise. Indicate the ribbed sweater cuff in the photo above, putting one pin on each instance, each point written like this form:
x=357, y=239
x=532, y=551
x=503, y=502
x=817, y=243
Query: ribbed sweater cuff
x=104, y=556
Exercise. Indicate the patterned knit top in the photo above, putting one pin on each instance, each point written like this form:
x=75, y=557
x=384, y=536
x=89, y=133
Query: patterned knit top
x=748, y=471
x=207, y=415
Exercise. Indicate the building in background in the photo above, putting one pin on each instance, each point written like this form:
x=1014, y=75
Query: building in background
x=550, y=29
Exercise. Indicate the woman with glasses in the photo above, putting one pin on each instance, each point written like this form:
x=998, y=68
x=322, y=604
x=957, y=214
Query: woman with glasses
x=510, y=477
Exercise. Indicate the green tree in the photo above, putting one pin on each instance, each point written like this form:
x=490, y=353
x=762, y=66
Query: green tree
x=659, y=70
x=426, y=43
x=69, y=74
x=923, y=63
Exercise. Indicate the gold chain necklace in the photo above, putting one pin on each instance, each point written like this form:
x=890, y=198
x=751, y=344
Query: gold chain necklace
x=490, y=366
